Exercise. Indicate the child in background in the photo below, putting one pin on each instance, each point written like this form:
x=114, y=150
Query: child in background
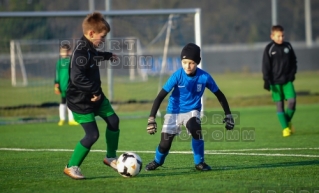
x=61, y=84
x=279, y=67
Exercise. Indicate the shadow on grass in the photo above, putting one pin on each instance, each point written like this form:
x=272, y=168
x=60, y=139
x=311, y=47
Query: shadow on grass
x=169, y=171
x=274, y=165
x=98, y=177
x=161, y=171
x=147, y=174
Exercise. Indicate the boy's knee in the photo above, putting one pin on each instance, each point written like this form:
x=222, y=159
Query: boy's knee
x=194, y=127
x=113, y=122
x=166, y=142
x=90, y=139
x=291, y=103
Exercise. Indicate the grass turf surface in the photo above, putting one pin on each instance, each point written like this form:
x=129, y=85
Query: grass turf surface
x=267, y=162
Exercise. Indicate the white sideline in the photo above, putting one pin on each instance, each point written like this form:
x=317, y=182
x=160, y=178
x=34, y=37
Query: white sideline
x=207, y=152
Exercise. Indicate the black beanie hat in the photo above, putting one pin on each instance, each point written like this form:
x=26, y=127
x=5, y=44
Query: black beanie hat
x=191, y=51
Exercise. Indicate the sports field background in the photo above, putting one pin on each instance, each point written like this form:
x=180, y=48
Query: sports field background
x=33, y=155
x=134, y=98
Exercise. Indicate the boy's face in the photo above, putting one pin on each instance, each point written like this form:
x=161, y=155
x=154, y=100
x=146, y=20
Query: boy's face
x=97, y=38
x=189, y=66
x=277, y=36
x=65, y=52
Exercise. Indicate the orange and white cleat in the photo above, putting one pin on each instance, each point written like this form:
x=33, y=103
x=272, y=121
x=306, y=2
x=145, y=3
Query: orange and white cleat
x=111, y=162
x=74, y=172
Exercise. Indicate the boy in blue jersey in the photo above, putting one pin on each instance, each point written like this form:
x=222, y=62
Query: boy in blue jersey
x=184, y=106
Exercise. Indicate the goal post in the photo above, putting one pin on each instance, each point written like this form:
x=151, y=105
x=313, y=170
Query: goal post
x=15, y=52
x=24, y=59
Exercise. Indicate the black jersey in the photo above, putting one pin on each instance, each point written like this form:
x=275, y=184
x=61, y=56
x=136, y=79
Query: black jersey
x=84, y=81
x=279, y=64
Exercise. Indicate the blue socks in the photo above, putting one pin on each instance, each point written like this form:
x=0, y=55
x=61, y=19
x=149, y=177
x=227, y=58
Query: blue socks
x=160, y=157
x=198, y=150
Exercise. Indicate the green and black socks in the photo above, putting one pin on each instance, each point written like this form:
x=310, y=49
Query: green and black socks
x=80, y=152
x=285, y=117
x=78, y=155
x=289, y=114
x=282, y=119
x=112, y=140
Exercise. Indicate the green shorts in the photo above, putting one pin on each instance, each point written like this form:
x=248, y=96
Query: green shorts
x=282, y=92
x=105, y=110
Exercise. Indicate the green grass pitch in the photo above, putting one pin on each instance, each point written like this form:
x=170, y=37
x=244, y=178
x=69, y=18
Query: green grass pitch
x=33, y=157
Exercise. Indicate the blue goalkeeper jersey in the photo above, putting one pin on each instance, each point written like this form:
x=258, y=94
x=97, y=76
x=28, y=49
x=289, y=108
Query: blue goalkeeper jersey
x=187, y=90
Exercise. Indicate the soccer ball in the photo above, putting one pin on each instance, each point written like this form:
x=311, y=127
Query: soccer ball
x=129, y=164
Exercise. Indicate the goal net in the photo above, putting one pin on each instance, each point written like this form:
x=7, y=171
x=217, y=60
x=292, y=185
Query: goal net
x=148, y=44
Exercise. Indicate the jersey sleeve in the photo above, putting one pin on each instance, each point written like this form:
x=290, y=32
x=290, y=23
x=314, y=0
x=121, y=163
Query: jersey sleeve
x=293, y=65
x=266, y=65
x=57, y=70
x=105, y=55
x=79, y=66
x=170, y=83
x=211, y=84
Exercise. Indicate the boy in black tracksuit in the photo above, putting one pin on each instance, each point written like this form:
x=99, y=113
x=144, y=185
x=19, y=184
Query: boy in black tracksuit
x=85, y=97
x=279, y=67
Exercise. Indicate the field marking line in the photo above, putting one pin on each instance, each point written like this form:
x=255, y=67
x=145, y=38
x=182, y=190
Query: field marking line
x=270, y=149
x=208, y=152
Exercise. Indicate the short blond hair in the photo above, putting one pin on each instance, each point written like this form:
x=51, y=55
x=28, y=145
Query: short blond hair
x=96, y=22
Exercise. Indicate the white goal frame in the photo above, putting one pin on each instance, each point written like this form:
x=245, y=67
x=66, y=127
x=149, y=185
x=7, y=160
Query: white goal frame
x=16, y=49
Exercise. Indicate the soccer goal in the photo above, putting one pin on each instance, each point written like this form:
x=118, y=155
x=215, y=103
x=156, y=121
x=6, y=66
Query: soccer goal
x=32, y=58
x=148, y=43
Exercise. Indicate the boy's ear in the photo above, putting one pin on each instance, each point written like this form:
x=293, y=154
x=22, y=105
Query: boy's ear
x=90, y=33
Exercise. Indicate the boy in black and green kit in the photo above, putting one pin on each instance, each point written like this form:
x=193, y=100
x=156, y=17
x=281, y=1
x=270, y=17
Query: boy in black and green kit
x=279, y=67
x=61, y=84
x=85, y=97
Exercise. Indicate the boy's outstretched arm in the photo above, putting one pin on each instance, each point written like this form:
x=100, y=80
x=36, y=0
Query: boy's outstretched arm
x=106, y=56
x=151, y=123
x=224, y=103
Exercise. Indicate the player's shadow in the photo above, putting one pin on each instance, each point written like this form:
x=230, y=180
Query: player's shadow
x=272, y=165
x=99, y=177
x=168, y=171
x=148, y=174
x=161, y=171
